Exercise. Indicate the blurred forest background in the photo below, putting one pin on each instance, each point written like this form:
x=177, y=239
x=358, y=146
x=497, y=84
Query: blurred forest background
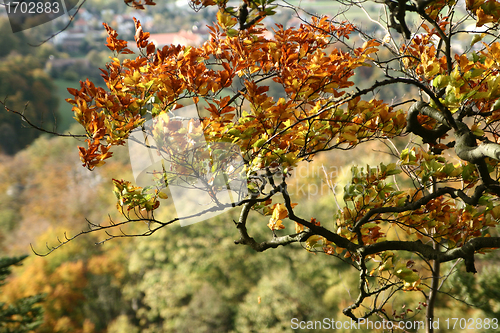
x=191, y=279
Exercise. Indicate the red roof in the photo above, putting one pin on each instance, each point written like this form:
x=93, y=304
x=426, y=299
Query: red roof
x=181, y=37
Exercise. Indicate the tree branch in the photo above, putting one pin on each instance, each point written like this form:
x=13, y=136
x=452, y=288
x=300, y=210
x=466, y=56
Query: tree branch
x=411, y=206
x=427, y=135
x=245, y=238
x=467, y=149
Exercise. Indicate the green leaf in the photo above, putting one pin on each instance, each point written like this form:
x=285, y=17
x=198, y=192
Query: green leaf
x=496, y=105
x=162, y=195
x=484, y=200
x=234, y=131
x=259, y=143
x=448, y=168
x=475, y=39
x=313, y=241
x=440, y=81
x=407, y=275
x=270, y=11
x=232, y=32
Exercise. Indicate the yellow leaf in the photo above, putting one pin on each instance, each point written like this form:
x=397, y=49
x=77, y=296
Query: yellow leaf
x=299, y=227
x=225, y=20
x=407, y=275
x=312, y=241
x=495, y=212
x=162, y=195
x=275, y=224
x=280, y=211
x=476, y=38
x=482, y=18
x=349, y=136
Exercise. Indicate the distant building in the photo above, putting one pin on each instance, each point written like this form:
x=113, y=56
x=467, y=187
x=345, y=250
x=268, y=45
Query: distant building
x=69, y=40
x=81, y=30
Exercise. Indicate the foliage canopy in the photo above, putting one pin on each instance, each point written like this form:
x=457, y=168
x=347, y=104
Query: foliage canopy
x=439, y=196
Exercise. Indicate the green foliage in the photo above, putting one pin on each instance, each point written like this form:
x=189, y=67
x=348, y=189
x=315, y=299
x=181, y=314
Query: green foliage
x=22, y=81
x=24, y=314
x=10, y=42
x=278, y=297
x=481, y=291
x=195, y=280
x=24, y=86
x=122, y=324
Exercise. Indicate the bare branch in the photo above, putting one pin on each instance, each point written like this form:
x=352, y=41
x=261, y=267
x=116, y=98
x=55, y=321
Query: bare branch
x=24, y=118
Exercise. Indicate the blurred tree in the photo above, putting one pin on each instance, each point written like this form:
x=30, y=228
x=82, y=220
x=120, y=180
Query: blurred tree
x=83, y=291
x=24, y=314
x=23, y=80
x=26, y=88
x=10, y=42
x=479, y=292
